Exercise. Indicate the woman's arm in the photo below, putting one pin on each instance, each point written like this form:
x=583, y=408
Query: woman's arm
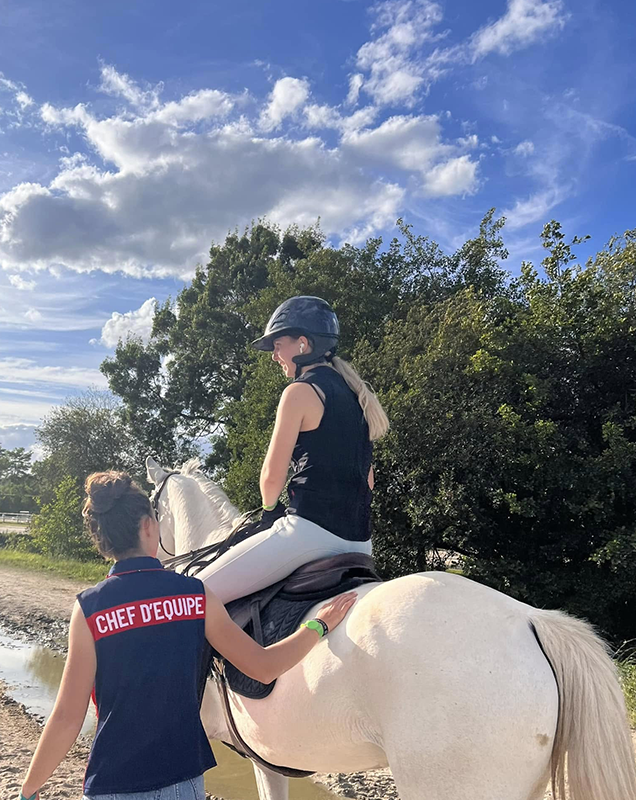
x=265, y=664
x=66, y=720
x=289, y=418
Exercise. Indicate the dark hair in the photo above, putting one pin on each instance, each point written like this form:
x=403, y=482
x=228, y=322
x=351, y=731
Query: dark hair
x=114, y=508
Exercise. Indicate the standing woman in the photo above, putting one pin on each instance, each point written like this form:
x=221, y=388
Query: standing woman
x=326, y=422
x=137, y=641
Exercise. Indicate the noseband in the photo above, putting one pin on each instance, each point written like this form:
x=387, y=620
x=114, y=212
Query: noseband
x=154, y=502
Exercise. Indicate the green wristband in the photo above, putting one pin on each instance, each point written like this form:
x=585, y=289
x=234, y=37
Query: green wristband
x=315, y=625
x=269, y=508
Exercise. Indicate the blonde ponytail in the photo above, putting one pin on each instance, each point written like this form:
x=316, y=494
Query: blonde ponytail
x=374, y=414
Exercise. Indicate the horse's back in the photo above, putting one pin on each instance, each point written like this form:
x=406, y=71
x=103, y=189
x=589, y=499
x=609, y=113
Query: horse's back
x=440, y=636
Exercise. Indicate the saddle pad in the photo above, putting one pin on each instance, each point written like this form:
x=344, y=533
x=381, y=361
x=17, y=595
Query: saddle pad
x=280, y=618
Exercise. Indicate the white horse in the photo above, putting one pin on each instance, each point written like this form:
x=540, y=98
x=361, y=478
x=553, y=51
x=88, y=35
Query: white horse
x=465, y=693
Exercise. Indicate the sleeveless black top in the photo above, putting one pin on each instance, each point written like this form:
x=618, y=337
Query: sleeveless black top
x=331, y=463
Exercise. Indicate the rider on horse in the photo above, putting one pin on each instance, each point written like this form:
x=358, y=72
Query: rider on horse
x=326, y=421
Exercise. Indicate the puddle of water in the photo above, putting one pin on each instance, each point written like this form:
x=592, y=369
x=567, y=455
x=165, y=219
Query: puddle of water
x=233, y=779
x=33, y=673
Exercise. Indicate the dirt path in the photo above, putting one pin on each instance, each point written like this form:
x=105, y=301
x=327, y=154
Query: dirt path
x=23, y=611
x=19, y=734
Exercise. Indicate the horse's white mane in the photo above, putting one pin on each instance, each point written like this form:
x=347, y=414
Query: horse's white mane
x=227, y=513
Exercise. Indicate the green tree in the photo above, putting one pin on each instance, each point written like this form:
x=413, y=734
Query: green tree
x=58, y=529
x=17, y=484
x=89, y=433
x=197, y=376
x=514, y=440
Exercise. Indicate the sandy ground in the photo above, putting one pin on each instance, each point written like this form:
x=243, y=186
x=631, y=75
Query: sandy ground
x=19, y=734
x=21, y=608
x=21, y=614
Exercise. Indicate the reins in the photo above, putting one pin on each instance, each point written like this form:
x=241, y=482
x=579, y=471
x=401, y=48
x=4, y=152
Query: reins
x=197, y=560
x=154, y=502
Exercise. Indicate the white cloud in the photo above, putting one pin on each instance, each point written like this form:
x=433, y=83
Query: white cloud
x=27, y=371
x=33, y=315
x=285, y=99
x=182, y=176
x=195, y=107
x=19, y=434
x=534, y=209
x=525, y=22
x=414, y=144
x=23, y=99
x=20, y=284
x=408, y=142
x=119, y=84
x=388, y=65
x=355, y=84
x=525, y=148
x=456, y=176
x=137, y=323
x=7, y=84
x=323, y=117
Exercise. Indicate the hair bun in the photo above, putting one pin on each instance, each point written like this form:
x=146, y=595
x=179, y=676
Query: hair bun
x=104, y=489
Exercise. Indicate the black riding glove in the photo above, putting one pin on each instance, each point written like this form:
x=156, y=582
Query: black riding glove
x=268, y=518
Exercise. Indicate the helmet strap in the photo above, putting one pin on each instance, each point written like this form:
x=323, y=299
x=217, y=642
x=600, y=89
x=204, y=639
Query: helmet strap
x=307, y=359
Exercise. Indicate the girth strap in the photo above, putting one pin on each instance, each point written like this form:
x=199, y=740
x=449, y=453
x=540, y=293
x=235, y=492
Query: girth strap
x=241, y=747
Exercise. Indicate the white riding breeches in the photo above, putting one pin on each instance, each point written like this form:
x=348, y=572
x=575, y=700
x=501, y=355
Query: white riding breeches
x=271, y=555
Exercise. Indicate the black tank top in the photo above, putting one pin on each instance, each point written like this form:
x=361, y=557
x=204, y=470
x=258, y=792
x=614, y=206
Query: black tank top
x=331, y=463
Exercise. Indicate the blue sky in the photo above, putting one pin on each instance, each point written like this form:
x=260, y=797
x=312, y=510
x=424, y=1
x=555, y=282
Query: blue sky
x=134, y=134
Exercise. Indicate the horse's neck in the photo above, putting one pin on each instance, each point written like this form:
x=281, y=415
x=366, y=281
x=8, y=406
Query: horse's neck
x=203, y=515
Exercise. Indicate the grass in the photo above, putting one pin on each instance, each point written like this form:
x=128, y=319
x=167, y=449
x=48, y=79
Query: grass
x=86, y=571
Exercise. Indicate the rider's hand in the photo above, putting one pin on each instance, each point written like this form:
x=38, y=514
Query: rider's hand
x=268, y=518
x=333, y=612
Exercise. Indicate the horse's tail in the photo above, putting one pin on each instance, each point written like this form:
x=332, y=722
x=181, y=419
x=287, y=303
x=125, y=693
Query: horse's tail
x=592, y=730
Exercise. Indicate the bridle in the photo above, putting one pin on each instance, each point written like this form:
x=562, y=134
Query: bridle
x=196, y=560
x=154, y=502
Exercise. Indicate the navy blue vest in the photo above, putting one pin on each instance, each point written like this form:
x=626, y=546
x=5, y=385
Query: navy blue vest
x=149, y=630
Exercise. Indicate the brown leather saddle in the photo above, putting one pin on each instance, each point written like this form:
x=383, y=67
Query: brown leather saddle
x=275, y=612
x=309, y=584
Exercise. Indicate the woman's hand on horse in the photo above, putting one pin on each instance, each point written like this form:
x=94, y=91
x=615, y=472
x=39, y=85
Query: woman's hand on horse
x=333, y=612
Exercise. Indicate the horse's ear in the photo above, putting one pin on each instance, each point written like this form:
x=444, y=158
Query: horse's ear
x=155, y=473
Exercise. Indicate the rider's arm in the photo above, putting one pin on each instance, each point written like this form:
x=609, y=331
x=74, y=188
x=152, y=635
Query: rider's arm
x=265, y=664
x=68, y=715
x=371, y=478
x=289, y=418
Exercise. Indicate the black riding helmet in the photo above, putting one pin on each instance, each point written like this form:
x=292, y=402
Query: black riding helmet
x=303, y=316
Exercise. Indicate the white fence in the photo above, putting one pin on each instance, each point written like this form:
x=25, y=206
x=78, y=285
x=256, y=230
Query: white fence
x=21, y=517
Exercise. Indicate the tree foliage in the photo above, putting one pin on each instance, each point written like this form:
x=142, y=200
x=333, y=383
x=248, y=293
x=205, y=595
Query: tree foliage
x=89, y=433
x=17, y=486
x=511, y=400
x=58, y=529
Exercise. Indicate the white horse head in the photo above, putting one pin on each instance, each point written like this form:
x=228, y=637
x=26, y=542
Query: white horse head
x=193, y=511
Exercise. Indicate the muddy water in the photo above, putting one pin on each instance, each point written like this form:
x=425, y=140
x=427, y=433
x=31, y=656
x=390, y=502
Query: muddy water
x=33, y=674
